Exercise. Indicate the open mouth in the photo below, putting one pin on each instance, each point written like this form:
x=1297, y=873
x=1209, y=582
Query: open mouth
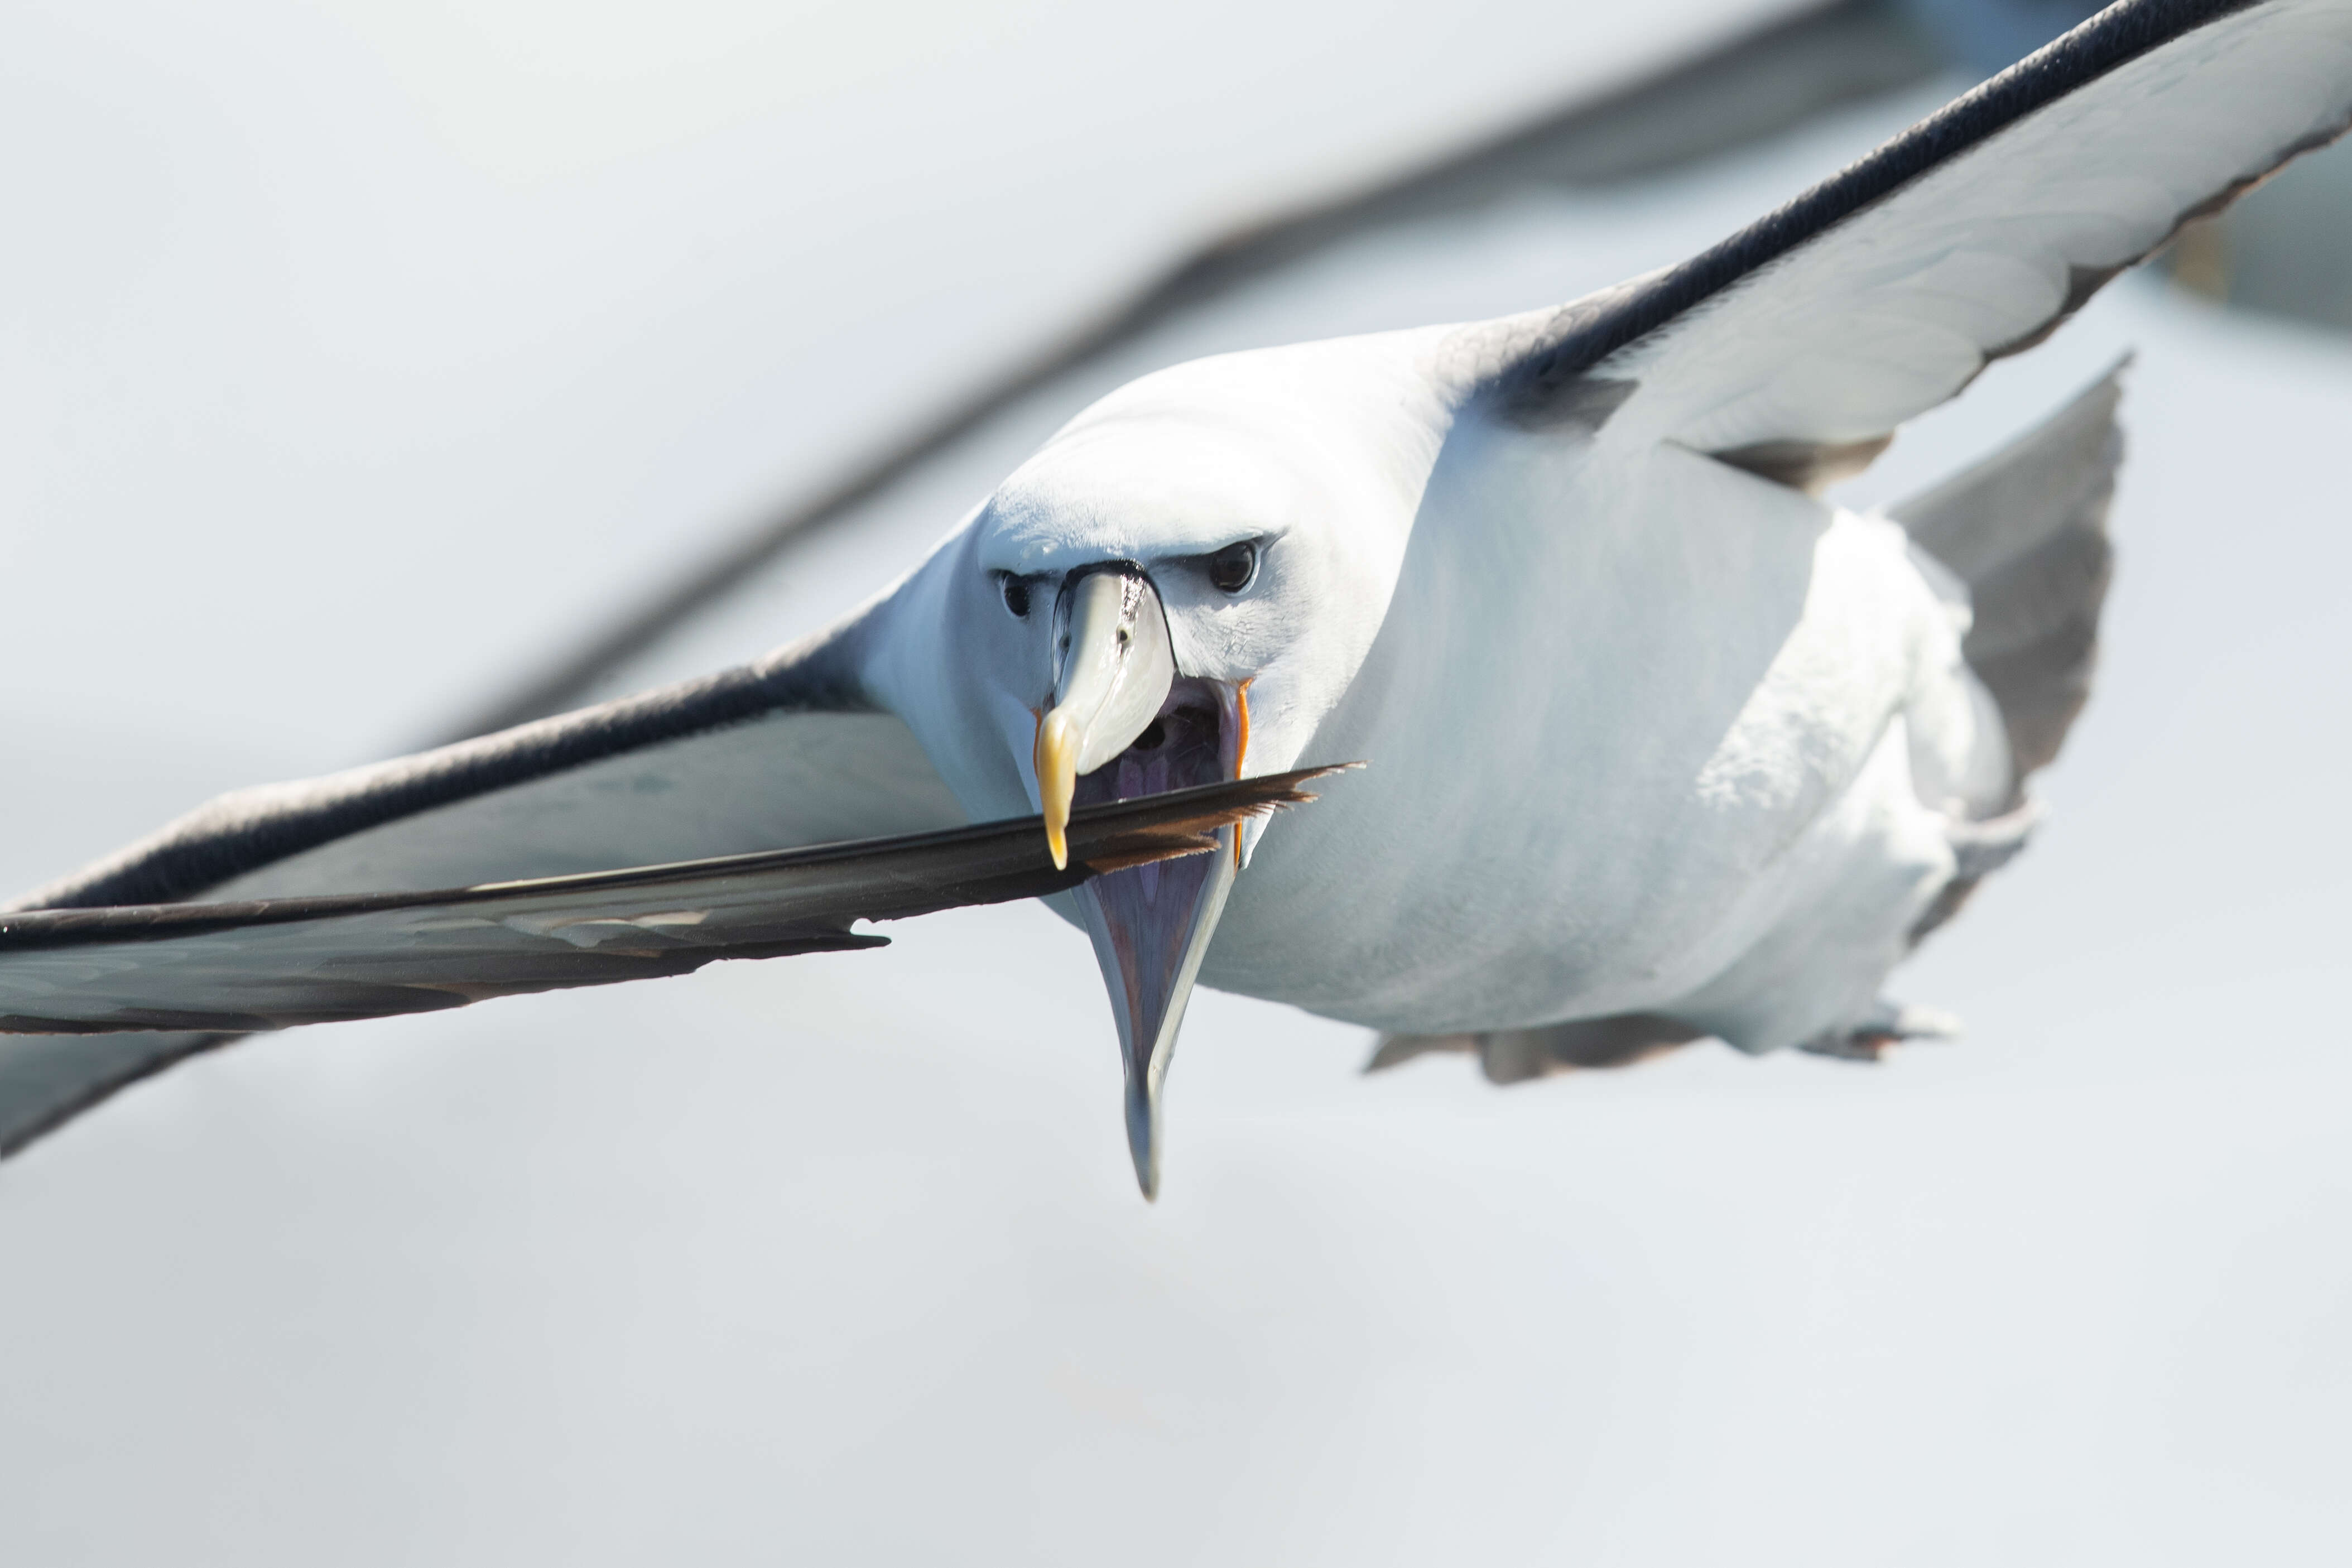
x=1115, y=685
x=1151, y=924
x=1198, y=737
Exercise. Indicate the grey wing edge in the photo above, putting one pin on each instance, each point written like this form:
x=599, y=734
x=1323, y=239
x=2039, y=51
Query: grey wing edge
x=48, y=1080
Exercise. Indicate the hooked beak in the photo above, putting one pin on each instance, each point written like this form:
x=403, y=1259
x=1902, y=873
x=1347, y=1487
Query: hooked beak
x=1123, y=724
x=1112, y=667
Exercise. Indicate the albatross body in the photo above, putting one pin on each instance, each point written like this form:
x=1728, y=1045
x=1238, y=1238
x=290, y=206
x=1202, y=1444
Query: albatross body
x=1630, y=717
x=1658, y=744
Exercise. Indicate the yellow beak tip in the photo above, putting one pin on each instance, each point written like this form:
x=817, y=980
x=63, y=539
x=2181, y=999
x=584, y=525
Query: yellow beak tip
x=1058, y=776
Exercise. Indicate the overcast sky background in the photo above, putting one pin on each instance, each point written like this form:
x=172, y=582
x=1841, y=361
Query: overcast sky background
x=349, y=353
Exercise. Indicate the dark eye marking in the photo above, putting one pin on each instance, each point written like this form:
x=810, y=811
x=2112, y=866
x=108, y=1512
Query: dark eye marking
x=1017, y=595
x=1233, y=568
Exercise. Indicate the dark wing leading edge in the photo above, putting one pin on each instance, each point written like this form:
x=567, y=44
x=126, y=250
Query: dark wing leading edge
x=767, y=755
x=270, y=963
x=1795, y=348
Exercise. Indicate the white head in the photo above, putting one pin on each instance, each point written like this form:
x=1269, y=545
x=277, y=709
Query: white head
x=1175, y=590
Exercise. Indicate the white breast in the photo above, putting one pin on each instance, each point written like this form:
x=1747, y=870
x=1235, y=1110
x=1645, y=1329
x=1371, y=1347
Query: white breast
x=1618, y=721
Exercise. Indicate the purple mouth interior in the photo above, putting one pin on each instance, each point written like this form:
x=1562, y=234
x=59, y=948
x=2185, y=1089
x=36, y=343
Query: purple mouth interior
x=1149, y=910
x=1183, y=746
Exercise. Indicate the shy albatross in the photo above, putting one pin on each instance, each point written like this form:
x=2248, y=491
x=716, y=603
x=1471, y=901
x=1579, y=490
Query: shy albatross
x=1661, y=744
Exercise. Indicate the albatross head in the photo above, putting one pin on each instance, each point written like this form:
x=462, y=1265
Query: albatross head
x=1174, y=591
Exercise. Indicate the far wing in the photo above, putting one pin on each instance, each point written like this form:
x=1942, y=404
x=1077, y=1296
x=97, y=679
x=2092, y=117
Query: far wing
x=1796, y=347
x=270, y=964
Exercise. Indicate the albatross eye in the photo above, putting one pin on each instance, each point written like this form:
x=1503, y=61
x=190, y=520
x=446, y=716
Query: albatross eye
x=1231, y=569
x=1016, y=596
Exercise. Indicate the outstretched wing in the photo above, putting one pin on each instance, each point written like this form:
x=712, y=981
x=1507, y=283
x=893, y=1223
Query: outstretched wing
x=270, y=963
x=780, y=753
x=1796, y=347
